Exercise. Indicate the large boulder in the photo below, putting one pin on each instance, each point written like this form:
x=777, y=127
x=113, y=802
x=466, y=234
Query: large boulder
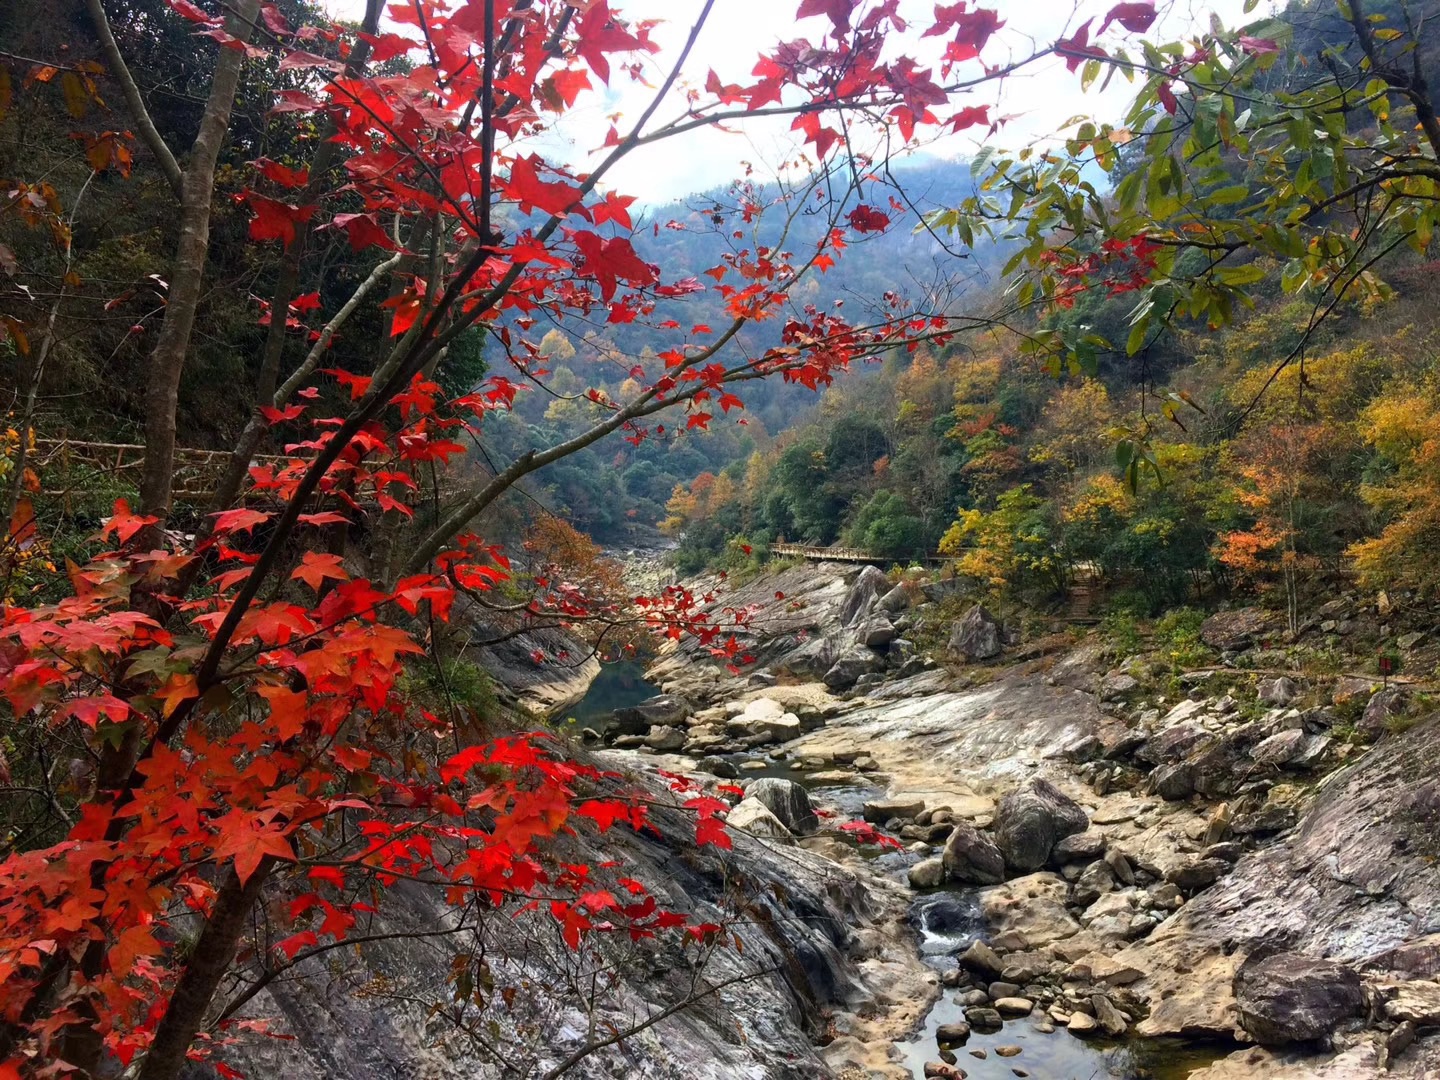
x=665, y=737
x=664, y=710
x=863, y=595
x=1288, y=997
x=876, y=632
x=856, y=660
x=754, y=817
x=972, y=857
x=977, y=636
x=1030, y=821
x=765, y=716
x=787, y=800
x=1355, y=882
x=895, y=601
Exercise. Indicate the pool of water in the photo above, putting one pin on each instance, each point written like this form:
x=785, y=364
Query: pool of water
x=948, y=920
x=1056, y=1055
x=619, y=685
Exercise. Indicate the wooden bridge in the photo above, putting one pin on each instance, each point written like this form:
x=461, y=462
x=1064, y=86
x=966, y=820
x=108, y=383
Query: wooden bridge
x=840, y=554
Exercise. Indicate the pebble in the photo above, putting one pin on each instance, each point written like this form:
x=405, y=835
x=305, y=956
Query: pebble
x=1007, y=1051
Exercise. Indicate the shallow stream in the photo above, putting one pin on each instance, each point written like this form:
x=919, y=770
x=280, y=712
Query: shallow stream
x=948, y=921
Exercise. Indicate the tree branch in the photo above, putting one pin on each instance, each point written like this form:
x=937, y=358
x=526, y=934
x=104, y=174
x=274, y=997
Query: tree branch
x=168, y=165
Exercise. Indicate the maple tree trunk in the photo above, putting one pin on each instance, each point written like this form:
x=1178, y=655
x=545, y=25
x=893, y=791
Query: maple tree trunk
x=205, y=968
x=187, y=272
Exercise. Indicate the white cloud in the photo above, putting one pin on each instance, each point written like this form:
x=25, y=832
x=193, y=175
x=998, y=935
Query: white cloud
x=1036, y=101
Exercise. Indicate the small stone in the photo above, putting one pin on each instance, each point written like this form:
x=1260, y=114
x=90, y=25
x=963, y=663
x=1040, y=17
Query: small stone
x=974, y=997
x=1014, y=1006
x=954, y=1034
x=983, y=1019
x=1107, y=1016
x=1400, y=1039
x=1002, y=989
x=982, y=958
x=938, y=1070
x=1007, y=1051
x=879, y=811
x=927, y=874
x=980, y=1052
x=1082, y=1025
x=1120, y=866
x=1081, y=847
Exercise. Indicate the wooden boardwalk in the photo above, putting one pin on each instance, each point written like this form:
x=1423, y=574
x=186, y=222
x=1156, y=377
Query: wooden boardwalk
x=841, y=554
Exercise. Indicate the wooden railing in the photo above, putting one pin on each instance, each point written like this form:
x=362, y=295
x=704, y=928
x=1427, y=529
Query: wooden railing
x=196, y=471
x=838, y=554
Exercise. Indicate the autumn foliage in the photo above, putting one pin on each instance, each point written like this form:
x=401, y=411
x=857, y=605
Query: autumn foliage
x=230, y=701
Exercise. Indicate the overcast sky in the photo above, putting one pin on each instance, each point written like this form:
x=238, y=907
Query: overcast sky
x=1037, y=102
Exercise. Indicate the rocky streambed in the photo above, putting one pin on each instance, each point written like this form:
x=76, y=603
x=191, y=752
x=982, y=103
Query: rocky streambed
x=999, y=859
x=1095, y=881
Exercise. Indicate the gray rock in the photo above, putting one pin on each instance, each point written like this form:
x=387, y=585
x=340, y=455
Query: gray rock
x=754, y=817
x=862, y=597
x=895, y=601
x=1002, y=988
x=787, y=800
x=879, y=811
x=662, y=710
x=875, y=632
x=1117, y=684
x=1382, y=707
x=927, y=874
x=1082, y=1025
x=984, y=1019
x=977, y=636
x=1014, y=1006
x=1175, y=743
x=1031, y=820
x=1120, y=866
x=1107, y=1016
x=1293, y=749
x=1192, y=875
x=1235, y=631
x=1280, y=690
x=1288, y=997
x=972, y=857
x=718, y=766
x=981, y=958
x=1079, y=847
x=664, y=737
x=853, y=661
x=1094, y=881
x=953, y=1034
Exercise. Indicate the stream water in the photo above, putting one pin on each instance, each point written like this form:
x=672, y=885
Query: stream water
x=948, y=921
x=619, y=685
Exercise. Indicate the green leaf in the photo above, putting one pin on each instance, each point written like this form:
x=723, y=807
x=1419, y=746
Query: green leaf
x=1236, y=276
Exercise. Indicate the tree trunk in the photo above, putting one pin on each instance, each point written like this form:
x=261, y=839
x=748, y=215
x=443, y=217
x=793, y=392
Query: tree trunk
x=204, y=970
x=187, y=272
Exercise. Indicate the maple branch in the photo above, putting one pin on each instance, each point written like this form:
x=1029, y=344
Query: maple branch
x=121, y=72
x=271, y=973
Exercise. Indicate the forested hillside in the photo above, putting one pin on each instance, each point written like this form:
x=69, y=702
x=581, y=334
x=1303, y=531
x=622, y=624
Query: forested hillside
x=1282, y=450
